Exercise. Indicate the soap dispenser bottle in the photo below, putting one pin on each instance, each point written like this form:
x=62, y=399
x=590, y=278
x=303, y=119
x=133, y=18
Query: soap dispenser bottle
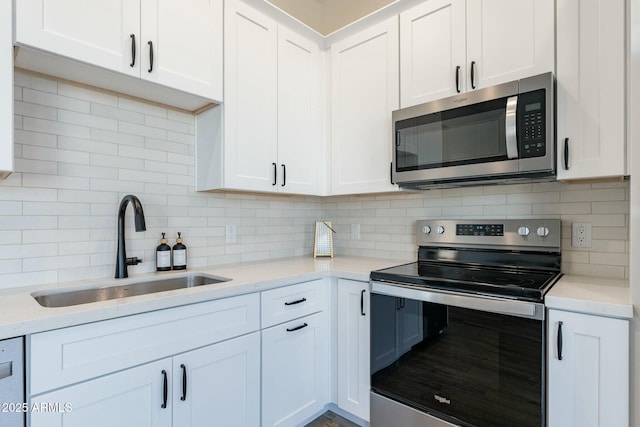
x=163, y=255
x=179, y=254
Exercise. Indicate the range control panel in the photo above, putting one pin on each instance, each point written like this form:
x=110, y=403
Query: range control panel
x=531, y=234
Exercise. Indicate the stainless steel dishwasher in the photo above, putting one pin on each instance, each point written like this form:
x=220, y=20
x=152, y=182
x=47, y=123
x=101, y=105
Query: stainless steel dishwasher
x=12, y=398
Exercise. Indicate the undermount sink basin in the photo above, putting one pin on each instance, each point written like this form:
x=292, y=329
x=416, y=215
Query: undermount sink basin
x=60, y=298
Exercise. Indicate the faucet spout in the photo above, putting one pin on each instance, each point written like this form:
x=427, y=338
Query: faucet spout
x=121, y=257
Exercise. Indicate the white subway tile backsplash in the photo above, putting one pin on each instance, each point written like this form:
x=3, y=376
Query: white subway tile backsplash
x=58, y=211
x=54, y=100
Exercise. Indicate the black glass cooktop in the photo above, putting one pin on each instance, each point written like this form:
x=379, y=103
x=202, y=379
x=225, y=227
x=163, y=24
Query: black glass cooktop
x=530, y=285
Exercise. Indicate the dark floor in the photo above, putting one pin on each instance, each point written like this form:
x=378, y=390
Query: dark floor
x=329, y=419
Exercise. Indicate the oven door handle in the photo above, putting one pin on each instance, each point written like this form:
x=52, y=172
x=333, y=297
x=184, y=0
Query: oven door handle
x=529, y=310
x=510, y=128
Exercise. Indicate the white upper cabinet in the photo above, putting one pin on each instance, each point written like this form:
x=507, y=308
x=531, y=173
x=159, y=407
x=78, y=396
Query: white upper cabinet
x=187, y=45
x=364, y=92
x=432, y=51
x=251, y=103
x=175, y=44
x=273, y=120
x=6, y=89
x=451, y=46
x=508, y=40
x=102, y=33
x=300, y=115
x=591, y=89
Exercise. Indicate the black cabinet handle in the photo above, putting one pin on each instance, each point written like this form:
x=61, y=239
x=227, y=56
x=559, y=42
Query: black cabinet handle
x=362, y=303
x=566, y=154
x=296, y=301
x=133, y=50
x=165, y=389
x=458, y=79
x=284, y=175
x=275, y=173
x=473, y=74
x=559, y=340
x=184, y=383
x=391, y=173
x=297, y=328
x=150, y=43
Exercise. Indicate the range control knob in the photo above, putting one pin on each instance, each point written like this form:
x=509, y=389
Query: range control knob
x=542, y=231
x=523, y=231
x=426, y=229
x=440, y=229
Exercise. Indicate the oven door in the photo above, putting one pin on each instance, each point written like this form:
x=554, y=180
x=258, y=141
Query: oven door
x=442, y=359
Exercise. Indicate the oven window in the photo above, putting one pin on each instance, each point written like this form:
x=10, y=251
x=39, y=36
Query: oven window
x=469, y=367
x=465, y=135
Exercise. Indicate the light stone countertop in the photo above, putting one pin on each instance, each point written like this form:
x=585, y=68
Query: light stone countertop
x=591, y=295
x=20, y=314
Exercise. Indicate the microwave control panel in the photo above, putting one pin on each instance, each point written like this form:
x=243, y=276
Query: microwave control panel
x=532, y=132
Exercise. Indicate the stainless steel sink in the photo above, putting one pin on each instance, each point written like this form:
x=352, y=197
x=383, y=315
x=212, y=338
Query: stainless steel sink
x=59, y=298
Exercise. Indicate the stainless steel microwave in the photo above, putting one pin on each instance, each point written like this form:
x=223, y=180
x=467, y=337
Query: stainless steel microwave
x=503, y=133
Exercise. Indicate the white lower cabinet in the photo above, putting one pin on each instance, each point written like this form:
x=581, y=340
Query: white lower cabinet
x=218, y=385
x=354, y=377
x=215, y=385
x=130, y=398
x=295, y=375
x=296, y=362
x=588, y=370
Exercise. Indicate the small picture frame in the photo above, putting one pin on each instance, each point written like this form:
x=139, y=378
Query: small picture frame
x=324, y=240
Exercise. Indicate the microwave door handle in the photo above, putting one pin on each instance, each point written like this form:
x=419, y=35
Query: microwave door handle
x=510, y=127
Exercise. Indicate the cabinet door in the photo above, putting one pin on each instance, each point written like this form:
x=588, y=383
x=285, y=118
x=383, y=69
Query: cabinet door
x=589, y=386
x=432, y=51
x=508, y=40
x=591, y=89
x=250, y=108
x=295, y=378
x=300, y=115
x=354, y=377
x=6, y=89
x=97, y=32
x=187, y=45
x=364, y=92
x=218, y=385
x=410, y=324
x=130, y=398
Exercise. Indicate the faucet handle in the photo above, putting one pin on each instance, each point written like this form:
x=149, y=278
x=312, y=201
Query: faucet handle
x=133, y=261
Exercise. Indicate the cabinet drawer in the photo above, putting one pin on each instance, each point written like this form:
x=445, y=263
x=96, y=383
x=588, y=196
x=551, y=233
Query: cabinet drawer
x=74, y=354
x=290, y=302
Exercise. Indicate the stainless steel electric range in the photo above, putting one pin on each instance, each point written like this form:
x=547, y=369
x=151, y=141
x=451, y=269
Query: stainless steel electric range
x=458, y=337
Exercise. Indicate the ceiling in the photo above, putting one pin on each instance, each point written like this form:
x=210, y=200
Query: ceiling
x=327, y=16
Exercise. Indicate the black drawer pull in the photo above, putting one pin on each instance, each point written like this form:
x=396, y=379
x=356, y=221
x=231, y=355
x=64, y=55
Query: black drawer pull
x=284, y=175
x=184, y=383
x=362, y=303
x=301, y=300
x=133, y=50
x=150, y=43
x=473, y=74
x=458, y=79
x=566, y=154
x=275, y=174
x=165, y=389
x=559, y=340
x=297, y=328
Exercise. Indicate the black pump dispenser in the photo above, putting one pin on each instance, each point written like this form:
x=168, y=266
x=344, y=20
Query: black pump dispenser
x=179, y=254
x=163, y=255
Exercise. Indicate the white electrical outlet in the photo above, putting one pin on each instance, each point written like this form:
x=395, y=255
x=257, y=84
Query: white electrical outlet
x=355, y=231
x=230, y=233
x=581, y=235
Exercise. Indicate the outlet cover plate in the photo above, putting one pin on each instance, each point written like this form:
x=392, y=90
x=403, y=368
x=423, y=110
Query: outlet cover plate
x=230, y=233
x=581, y=235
